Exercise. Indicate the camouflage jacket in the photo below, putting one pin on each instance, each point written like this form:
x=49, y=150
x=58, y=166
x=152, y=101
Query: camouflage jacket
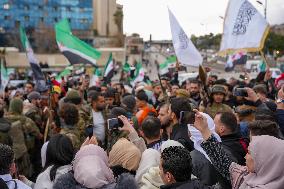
x=215, y=108
x=23, y=133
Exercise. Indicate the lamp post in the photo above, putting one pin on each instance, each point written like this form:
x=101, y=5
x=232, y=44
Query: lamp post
x=265, y=7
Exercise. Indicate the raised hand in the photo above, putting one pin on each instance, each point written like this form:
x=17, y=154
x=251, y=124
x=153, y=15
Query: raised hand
x=201, y=124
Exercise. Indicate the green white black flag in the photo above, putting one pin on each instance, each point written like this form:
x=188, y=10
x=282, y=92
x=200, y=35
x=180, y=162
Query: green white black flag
x=74, y=49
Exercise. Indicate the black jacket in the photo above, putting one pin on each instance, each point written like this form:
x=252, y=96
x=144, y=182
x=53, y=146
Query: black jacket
x=192, y=184
x=180, y=134
x=203, y=169
x=236, y=147
x=5, y=127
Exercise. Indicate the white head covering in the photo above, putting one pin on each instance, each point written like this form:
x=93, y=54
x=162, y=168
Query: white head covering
x=150, y=158
x=43, y=154
x=169, y=143
x=197, y=138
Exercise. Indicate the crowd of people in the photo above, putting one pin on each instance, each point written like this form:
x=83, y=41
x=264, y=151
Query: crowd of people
x=219, y=134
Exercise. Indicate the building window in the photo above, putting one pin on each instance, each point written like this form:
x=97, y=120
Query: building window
x=40, y=7
x=55, y=8
x=6, y=6
x=42, y=19
x=7, y=17
x=26, y=7
x=69, y=9
x=55, y=19
x=82, y=10
x=27, y=18
x=84, y=21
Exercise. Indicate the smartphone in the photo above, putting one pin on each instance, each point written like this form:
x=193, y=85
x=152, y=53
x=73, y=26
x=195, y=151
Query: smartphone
x=114, y=123
x=187, y=117
x=240, y=92
x=89, y=131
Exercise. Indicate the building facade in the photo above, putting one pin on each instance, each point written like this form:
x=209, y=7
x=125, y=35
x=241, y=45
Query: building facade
x=106, y=24
x=36, y=13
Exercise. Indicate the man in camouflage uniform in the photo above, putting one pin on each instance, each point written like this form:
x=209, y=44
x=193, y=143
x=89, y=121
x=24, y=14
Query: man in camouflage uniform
x=69, y=116
x=23, y=133
x=74, y=97
x=217, y=97
x=33, y=111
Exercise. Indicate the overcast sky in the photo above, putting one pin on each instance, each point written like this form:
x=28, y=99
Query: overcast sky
x=195, y=16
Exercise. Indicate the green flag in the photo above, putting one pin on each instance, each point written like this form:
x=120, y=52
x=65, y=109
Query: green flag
x=126, y=67
x=4, y=76
x=75, y=50
x=65, y=72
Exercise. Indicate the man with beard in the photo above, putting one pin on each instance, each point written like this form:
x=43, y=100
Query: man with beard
x=194, y=89
x=164, y=117
x=99, y=117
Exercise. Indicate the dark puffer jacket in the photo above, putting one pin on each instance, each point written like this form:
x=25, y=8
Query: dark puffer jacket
x=124, y=181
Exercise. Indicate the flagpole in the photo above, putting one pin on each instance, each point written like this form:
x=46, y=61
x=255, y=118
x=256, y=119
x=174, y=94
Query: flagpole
x=263, y=58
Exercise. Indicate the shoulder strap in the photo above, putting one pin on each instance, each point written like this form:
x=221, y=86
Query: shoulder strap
x=16, y=184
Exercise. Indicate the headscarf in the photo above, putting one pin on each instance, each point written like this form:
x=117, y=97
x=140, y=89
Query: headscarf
x=150, y=158
x=169, y=143
x=91, y=167
x=125, y=154
x=197, y=138
x=43, y=153
x=268, y=155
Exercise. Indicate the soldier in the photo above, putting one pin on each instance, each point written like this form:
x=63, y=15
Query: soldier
x=216, y=104
x=74, y=97
x=34, y=112
x=69, y=116
x=23, y=132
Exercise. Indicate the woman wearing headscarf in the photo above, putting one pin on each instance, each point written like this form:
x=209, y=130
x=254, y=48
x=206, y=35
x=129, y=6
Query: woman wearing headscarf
x=151, y=178
x=124, y=157
x=264, y=160
x=91, y=171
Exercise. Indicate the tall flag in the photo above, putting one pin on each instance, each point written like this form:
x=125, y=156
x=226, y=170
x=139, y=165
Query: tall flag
x=95, y=80
x=185, y=51
x=109, y=69
x=239, y=58
x=245, y=29
x=75, y=50
x=138, y=75
x=38, y=75
x=4, y=76
x=170, y=62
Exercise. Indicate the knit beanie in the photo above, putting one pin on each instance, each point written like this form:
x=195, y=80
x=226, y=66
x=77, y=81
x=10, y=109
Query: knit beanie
x=16, y=106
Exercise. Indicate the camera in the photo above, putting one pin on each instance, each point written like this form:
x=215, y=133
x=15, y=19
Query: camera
x=240, y=92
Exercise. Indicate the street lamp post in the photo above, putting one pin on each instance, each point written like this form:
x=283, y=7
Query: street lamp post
x=265, y=7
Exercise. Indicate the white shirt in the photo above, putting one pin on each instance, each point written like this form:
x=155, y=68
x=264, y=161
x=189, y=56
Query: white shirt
x=99, y=125
x=11, y=183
